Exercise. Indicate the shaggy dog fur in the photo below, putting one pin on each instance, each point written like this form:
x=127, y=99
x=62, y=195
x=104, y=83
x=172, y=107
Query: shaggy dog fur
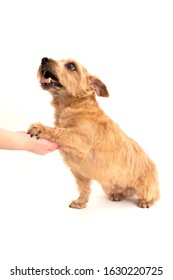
x=93, y=145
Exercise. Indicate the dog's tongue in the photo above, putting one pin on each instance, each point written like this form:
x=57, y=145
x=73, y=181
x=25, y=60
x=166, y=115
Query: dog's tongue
x=43, y=80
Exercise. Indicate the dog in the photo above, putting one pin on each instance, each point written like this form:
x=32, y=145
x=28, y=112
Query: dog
x=92, y=145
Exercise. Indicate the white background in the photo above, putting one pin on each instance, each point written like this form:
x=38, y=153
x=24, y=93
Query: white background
x=129, y=46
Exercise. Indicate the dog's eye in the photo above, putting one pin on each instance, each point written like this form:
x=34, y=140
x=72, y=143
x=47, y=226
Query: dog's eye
x=71, y=66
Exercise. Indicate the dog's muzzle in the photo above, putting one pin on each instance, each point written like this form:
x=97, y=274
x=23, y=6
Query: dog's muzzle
x=48, y=79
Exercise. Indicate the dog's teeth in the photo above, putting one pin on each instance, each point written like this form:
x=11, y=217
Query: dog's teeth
x=49, y=80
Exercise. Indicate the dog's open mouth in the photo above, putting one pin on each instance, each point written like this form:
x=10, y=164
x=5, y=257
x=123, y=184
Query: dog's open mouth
x=49, y=80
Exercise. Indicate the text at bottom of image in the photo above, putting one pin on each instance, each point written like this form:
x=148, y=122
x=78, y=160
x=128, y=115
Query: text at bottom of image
x=106, y=271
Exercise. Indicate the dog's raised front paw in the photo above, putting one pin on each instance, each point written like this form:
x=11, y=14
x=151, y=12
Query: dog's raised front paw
x=36, y=130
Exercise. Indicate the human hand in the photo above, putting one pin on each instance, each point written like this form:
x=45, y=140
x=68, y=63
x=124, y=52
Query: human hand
x=37, y=146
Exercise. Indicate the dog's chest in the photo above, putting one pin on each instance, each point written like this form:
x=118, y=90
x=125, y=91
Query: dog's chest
x=73, y=159
x=65, y=118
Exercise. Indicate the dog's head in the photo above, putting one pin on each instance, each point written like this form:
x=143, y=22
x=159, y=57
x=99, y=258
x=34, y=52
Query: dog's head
x=69, y=77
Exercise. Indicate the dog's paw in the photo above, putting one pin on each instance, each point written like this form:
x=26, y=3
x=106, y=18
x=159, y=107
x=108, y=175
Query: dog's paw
x=115, y=196
x=78, y=204
x=36, y=130
x=142, y=203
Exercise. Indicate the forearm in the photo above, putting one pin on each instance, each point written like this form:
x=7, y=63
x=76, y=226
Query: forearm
x=20, y=140
x=11, y=140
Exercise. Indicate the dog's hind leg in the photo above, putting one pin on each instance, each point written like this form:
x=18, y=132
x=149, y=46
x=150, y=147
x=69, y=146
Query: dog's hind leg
x=84, y=191
x=116, y=196
x=148, y=196
x=147, y=189
x=114, y=193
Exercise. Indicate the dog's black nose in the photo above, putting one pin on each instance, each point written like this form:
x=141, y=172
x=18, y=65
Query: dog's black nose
x=45, y=60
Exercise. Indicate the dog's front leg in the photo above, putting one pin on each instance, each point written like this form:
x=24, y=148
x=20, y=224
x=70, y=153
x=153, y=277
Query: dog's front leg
x=65, y=137
x=84, y=191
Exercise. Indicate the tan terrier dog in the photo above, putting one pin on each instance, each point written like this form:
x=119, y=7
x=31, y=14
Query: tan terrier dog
x=92, y=145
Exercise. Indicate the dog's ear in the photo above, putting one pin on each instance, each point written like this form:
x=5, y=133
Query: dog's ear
x=98, y=87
